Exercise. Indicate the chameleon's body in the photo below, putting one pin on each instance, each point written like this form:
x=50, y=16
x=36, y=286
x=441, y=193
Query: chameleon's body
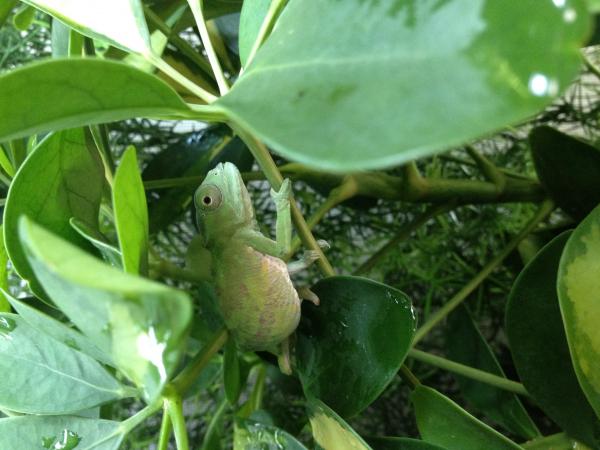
x=258, y=302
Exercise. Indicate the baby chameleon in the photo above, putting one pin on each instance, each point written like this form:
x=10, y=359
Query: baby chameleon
x=257, y=299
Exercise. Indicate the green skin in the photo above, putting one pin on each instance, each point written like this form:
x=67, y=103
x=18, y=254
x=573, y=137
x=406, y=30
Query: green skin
x=259, y=303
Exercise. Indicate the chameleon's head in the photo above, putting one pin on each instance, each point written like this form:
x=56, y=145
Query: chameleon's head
x=223, y=204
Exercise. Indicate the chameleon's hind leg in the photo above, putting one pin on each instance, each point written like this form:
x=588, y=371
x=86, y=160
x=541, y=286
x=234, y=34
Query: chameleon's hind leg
x=283, y=358
x=306, y=294
x=308, y=258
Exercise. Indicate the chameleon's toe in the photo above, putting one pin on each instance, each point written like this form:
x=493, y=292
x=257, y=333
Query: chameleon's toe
x=306, y=294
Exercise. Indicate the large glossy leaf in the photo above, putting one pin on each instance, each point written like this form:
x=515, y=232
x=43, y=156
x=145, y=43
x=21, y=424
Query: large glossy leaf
x=131, y=214
x=330, y=431
x=59, y=432
x=95, y=237
x=539, y=345
x=141, y=324
x=119, y=22
x=251, y=19
x=43, y=376
x=444, y=423
x=465, y=344
x=59, y=331
x=61, y=178
x=579, y=296
x=365, y=84
x=569, y=169
x=396, y=443
x=253, y=435
x=353, y=344
x=74, y=92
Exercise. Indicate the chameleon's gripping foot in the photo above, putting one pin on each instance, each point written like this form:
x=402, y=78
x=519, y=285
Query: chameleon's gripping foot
x=306, y=294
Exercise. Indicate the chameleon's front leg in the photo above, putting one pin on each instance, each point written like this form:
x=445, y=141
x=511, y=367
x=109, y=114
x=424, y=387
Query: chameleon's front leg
x=283, y=227
x=283, y=224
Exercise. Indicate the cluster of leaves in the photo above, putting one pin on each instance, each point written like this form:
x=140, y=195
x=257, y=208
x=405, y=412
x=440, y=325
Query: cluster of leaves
x=116, y=310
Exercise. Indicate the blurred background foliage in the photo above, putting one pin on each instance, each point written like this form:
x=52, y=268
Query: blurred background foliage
x=430, y=266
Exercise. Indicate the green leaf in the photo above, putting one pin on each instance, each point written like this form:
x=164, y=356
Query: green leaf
x=231, y=372
x=593, y=6
x=119, y=22
x=444, y=423
x=539, y=345
x=59, y=331
x=569, y=169
x=254, y=435
x=251, y=18
x=31, y=432
x=352, y=345
x=131, y=214
x=109, y=253
x=23, y=18
x=74, y=92
x=44, y=376
x=141, y=324
x=465, y=344
x=397, y=443
x=579, y=296
x=61, y=178
x=358, y=85
x=6, y=7
x=330, y=431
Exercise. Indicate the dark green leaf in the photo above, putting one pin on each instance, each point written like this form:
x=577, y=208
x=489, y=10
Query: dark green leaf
x=444, y=423
x=119, y=22
x=5, y=9
x=360, y=84
x=330, y=431
x=131, y=214
x=190, y=157
x=43, y=376
x=569, y=169
x=254, y=435
x=466, y=345
x=539, y=346
x=30, y=432
x=251, y=18
x=141, y=324
x=57, y=330
x=24, y=17
x=74, y=92
x=396, y=443
x=61, y=178
x=231, y=372
x=579, y=297
x=352, y=345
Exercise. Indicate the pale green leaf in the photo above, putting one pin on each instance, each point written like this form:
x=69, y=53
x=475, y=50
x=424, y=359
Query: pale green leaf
x=354, y=84
x=119, y=22
x=61, y=178
x=143, y=325
x=251, y=18
x=579, y=296
x=330, y=431
x=31, y=432
x=131, y=214
x=59, y=331
x=43, y=376
x=74, y=92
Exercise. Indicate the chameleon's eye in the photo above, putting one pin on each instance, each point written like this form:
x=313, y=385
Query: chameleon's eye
x=208, y=198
